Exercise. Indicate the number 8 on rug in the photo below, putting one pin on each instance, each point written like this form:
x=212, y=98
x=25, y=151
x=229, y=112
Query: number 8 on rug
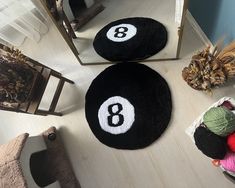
x=121, y=32
x=116, y=115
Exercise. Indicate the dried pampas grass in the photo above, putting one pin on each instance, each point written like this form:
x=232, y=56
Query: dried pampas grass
x=210, y=69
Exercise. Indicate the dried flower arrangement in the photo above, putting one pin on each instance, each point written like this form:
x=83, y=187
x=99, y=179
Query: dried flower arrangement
x=16, y=77
x=210, y=69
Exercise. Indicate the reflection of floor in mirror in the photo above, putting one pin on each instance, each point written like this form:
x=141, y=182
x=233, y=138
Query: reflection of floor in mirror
x=160, y=10
x=172, y=161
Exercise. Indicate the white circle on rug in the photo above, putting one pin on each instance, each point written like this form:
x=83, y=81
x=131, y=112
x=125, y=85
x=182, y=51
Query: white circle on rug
x=116, y=115
x=121, y=32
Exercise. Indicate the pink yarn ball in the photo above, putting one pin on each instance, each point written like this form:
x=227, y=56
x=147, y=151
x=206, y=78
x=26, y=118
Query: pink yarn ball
x=229, y=162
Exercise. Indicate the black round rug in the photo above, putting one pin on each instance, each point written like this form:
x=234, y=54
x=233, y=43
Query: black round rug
x=128, y=106
x=130, y=39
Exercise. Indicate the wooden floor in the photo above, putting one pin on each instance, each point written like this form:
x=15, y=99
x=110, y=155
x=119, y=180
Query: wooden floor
x=115, y=10
x=171, y=162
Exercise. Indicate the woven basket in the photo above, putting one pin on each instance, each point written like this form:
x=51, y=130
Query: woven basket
x=191, y=129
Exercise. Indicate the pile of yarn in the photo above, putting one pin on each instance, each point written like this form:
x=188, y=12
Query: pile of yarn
x=215, y=137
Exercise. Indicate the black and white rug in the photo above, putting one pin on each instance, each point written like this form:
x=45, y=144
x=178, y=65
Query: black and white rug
x=128, y=106
x=130, y=39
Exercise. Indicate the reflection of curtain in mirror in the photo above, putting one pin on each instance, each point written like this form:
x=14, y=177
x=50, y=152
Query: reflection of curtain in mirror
x=20, y=19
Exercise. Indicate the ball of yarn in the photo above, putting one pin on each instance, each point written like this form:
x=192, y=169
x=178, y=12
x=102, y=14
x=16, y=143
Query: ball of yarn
x=231, y=142
x=228, y=105
x=228, y=163
x=210, y=144
x=220, y=121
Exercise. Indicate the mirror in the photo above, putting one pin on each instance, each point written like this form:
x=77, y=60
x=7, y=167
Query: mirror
x=78, y=22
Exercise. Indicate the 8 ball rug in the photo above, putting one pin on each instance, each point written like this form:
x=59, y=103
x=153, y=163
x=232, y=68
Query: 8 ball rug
x=130, y=39
x=128, y=106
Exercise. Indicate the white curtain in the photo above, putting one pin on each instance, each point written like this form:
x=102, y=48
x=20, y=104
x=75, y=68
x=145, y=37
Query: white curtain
x=20, y=19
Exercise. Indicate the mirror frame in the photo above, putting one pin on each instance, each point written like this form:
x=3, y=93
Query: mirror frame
x=69, y=41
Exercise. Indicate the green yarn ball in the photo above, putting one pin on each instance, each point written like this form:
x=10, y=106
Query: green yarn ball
x=220, y=121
